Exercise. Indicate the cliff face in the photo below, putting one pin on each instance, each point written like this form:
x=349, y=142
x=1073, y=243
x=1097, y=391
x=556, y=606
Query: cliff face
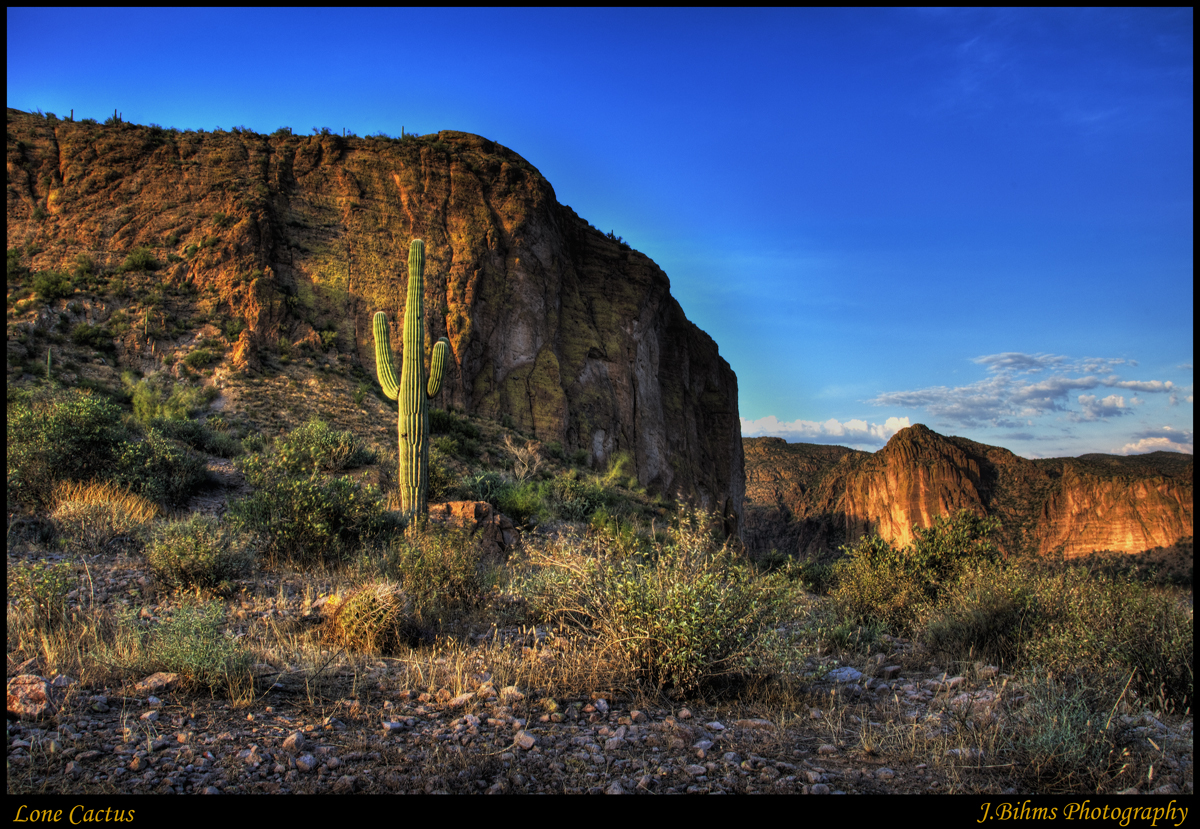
x=812, y=499
x=292, y=243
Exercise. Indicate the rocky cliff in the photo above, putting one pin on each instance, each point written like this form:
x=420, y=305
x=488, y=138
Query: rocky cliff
x=812, y=499
x=289, y=244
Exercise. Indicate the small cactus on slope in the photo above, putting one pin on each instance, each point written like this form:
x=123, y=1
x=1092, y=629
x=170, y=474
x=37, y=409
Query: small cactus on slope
x=412, y=390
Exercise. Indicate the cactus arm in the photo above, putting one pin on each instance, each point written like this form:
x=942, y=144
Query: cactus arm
x=385, y=367
x=437, y=367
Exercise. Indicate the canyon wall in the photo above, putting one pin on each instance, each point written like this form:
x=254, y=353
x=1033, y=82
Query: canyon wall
x=810, y=500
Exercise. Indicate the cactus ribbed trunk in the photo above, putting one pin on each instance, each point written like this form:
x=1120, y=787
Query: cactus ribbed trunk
x=412, y=390
x=414, y=416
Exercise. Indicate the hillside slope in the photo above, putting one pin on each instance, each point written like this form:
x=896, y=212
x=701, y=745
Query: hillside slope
x=278, y=249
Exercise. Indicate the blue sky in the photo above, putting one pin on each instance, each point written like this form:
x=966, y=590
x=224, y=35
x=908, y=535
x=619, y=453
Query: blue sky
x=980, y=220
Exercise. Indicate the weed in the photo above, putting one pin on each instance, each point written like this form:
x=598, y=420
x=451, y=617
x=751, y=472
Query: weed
x=193, y=645
x=198, y=552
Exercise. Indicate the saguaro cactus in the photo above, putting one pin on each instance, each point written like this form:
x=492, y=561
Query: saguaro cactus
x=412, y=390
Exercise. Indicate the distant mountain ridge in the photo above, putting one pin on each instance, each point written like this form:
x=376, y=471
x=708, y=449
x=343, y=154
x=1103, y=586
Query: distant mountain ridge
x=810, y=499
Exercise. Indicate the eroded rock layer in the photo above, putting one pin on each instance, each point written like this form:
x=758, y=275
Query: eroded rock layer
x=811, y=499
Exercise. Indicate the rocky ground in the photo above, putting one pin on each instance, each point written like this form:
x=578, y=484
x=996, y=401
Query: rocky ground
x=887, y=728
x=148, y=739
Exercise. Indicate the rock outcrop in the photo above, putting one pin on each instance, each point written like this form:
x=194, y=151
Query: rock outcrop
x=810, y=499
x=289, y=244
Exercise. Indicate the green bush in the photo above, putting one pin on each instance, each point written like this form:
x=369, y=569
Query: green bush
x=577, y=499
x=139, y=259
x=317, y=447
x=304, y=518
x=199, y=358
x=52, y=285
x=94, y=337
x=161, y=469
x=67, y=435
x=900, y=587
x=85, y=266
x=687, y=613
x=16, y=271
x=524, y=502
x=200, y=436
x=41, y=588
x=199, y=552
x=193, y=645
x=442, y=422
x=485, y=486
x=989, y=614
x=1057, y=739
x=158, y=397
x=1110, y=630
x=439, y=568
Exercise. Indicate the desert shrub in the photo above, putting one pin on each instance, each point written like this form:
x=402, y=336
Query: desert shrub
x=192, y=644
x=685, y=614
x=200, y=436
x=95, y=337
x=161, y=469
x=41, y=588
x=52, y=285
x=442, y=422
x=67, y=435
x=442, y=484
x=621, y=471
x=304, y=518
x=1072, y=623
x=95, y=517
x=317, y=447
x=199, y=358
x=527, y=457
x=85, y=267
x=16, y=271
x=1111, y=630
x=158, y=396
x=576, y=498
x=374, y=618
x=523, y=502
x=484, y=486
x=1057, y=738
x=988, y=614
x=199, y=552
x=900, y=587
x=440, y=569
x=139, y=259
x=619, y=535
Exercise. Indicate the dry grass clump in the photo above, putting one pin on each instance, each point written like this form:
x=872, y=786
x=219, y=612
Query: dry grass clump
x=93, y=517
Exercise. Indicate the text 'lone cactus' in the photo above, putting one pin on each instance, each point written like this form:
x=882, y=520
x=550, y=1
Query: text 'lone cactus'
x=412, y=390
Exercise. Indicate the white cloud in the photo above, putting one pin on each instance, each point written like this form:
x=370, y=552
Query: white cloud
x=1093, y=409
x=1010, y=391
x=1164, y=439
x=830, y=431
